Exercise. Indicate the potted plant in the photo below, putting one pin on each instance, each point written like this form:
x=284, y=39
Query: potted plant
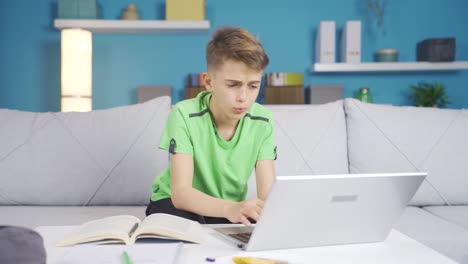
x=429, y=95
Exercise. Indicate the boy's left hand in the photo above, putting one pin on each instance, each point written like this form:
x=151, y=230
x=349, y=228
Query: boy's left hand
x=241, y=211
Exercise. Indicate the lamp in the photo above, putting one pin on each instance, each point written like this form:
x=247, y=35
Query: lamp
x=76, y=49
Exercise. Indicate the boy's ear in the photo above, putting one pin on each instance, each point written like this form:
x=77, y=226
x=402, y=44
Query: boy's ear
x=208, y=80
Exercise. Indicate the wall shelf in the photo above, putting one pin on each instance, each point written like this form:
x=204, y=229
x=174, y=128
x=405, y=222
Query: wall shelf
x=390, y=66
x=133, y=26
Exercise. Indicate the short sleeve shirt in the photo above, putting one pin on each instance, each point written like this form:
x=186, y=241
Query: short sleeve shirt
x=221, y=168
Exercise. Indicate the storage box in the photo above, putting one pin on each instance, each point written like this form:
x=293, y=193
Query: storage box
x=284, y=79
x=284, y=95
x=149, y=92
x=294, y=78
x=84, y=9
x=192, y=92
x=325, y=93
x=185, y=10
x=325, y=42
x=351, y=42
x=436, y=49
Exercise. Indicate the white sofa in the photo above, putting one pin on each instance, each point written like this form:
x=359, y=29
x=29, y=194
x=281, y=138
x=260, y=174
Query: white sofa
x=67, y=168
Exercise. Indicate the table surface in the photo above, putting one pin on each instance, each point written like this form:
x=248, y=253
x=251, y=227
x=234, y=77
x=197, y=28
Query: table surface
x=397, y=248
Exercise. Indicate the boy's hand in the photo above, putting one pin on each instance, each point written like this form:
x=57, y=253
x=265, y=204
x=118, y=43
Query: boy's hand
x=240, y=211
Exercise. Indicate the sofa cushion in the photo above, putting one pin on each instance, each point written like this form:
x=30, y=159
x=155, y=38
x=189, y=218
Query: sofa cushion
x=455, y=214
x=103, y=157
x=311, y=139
x=383, y=138
x=34, y=216
x=443, y=236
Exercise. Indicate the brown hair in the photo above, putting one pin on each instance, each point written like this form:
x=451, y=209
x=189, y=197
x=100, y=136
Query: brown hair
x=230, y=43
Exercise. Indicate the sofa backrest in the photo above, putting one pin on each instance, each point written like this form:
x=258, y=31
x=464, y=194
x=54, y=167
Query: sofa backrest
x=103, y=157
x=384, y=138
x=310, y=139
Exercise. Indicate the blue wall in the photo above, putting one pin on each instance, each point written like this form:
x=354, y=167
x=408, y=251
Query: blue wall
x=30, y=48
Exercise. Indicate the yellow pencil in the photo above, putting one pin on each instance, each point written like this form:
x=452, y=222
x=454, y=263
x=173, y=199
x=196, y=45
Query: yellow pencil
x=249, y=260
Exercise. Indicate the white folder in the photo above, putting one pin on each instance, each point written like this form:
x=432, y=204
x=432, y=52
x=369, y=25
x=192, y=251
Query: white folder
x=325, y=42
x=351, y=42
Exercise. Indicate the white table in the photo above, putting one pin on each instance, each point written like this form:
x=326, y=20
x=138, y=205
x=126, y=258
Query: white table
x=397, y=248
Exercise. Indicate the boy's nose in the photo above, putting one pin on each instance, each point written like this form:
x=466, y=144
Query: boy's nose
x=242, y=95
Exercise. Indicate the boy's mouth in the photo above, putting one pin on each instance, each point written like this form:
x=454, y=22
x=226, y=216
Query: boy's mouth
x=239, y=110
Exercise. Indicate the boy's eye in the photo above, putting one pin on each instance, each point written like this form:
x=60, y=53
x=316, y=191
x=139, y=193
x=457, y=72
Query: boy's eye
x=232, y=85
x=253, y=87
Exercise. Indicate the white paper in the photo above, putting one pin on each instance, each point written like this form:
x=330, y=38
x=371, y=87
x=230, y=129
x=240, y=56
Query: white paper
x=144, y=253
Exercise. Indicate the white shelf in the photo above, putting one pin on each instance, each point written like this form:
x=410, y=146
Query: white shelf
x=390, y=66
x=133, y=26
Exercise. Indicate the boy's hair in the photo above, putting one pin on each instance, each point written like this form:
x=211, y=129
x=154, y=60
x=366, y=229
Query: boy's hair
x=230, y=43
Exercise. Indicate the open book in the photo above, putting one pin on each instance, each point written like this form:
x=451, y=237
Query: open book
x=127, y=229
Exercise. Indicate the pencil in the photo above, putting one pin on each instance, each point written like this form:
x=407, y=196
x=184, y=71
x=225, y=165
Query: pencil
x=126, y=258
x=249, y=260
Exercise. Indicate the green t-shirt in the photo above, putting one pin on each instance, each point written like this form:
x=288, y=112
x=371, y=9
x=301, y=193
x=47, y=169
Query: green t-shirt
x=221, y=168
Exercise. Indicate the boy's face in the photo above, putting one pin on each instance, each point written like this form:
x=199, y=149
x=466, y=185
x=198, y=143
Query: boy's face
x=234, y=88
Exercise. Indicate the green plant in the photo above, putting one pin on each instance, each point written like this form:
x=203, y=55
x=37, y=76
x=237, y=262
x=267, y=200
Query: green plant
x=429, y=95
x=376, y=8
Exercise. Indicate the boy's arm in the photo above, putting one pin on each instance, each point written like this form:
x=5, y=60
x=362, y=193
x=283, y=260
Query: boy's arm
x=265, y=176
x=185, y=197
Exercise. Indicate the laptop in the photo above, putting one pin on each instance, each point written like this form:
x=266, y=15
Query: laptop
x=319, y=210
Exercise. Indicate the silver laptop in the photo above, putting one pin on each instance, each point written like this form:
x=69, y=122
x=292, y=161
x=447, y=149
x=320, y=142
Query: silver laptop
x=317, y=210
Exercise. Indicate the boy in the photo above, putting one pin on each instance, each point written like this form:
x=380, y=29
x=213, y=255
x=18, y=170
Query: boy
x=216, y=139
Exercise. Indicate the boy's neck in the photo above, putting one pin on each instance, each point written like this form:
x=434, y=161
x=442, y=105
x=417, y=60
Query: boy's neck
x=223, y=125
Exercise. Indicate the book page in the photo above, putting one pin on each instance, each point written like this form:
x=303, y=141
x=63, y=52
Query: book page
x=159, y=253
x=169, y=226
x=108, y=230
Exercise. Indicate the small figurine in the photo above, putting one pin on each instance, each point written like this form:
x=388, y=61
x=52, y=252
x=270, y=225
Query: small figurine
x=131, y=13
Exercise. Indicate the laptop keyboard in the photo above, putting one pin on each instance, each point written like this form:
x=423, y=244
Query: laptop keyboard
x=244, y=237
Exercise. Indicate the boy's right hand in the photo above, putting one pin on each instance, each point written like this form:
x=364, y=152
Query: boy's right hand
x=239, y=211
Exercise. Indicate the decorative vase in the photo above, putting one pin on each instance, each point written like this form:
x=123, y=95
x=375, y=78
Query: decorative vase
x=386, y=55
x=364, y=95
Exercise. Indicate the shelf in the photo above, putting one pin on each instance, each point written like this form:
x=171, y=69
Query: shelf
x=390, y=66
x=133, y=26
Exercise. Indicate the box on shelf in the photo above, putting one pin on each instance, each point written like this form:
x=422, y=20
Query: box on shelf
x=325, y=42
x=436, y=49
x=284, y=78
x=325, y=93
x=77, y=9
x=149, y=92
x=192, y=92
x=192, y=10
x=293, y=78
x=284, y=94
x=351, y=42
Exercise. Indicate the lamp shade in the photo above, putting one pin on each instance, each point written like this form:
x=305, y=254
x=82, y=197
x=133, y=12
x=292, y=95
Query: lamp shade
x=76, y=72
